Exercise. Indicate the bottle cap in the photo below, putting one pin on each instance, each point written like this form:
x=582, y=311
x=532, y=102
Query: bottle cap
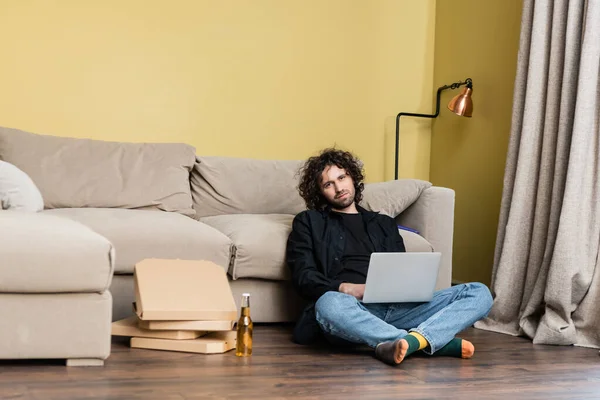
x=246, y=294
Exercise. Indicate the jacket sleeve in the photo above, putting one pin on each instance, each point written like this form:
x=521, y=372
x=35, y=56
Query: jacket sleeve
x=306, y=277
x=398, y=241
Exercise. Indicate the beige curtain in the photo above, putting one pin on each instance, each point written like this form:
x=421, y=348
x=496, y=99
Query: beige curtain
x=546, y=276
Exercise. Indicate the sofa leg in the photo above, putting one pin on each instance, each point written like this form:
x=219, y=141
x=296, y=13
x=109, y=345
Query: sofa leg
x=84, y=362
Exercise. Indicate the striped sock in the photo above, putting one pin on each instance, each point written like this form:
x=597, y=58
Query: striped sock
x=416, y=342
x=394, y=352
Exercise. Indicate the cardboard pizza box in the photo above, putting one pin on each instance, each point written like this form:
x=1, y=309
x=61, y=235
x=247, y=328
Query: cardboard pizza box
x=187, y=325
x=215, y=342
x=182, y=290
x=129, y=327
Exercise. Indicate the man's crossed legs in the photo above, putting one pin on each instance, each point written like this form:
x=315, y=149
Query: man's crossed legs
x=386, y=326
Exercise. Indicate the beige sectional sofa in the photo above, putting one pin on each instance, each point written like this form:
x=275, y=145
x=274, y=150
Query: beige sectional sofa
x=129, y=201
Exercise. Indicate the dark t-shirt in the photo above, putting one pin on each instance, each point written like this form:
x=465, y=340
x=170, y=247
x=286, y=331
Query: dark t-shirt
x=357, y=250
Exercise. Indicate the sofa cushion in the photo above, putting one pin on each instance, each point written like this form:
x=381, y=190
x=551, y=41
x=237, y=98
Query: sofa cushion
x=42, y=253
x=222, y=185
x=392, y=197
x=415, y=243
x=17, y=190
x=260, y=242
x=139, y=234
x=94, y=173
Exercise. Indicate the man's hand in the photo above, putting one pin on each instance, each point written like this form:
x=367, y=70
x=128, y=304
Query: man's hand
x=352, y=289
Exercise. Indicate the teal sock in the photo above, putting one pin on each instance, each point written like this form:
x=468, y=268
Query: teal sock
x=457, y=347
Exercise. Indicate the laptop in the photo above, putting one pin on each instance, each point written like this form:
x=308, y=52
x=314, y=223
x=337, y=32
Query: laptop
x=401, y=277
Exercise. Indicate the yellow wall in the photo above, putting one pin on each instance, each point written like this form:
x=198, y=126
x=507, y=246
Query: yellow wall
x=247, y=78
x=278, y=79
x=477, y=39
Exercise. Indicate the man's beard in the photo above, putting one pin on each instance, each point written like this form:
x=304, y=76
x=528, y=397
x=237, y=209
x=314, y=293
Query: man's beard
x=340, y=204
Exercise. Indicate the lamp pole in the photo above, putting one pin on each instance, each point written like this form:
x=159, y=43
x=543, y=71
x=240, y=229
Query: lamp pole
x=453, y=86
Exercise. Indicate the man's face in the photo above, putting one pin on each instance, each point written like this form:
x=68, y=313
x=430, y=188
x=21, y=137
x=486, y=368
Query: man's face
x=337, y=187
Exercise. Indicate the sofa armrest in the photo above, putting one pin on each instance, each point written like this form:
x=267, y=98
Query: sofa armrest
x=433, y=216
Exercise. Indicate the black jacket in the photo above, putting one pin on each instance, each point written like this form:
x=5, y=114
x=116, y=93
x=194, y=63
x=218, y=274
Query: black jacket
x=314, y=255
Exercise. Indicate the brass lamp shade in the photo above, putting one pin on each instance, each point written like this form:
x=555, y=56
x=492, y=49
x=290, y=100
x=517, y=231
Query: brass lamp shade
x=462, y=104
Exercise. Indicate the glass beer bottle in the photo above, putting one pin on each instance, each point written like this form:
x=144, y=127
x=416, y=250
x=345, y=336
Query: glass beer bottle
x=244, y=329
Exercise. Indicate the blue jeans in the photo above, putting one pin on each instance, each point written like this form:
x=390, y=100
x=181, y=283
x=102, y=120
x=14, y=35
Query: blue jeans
x=451, y=310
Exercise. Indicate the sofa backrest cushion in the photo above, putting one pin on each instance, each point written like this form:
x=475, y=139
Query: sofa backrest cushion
x=223, y=185
x=74, y=173
x=392, y=197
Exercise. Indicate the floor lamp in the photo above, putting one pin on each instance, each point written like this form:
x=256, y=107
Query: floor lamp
x=460, y=105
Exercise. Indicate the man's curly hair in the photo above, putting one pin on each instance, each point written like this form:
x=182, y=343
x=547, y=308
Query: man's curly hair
x=310, y=176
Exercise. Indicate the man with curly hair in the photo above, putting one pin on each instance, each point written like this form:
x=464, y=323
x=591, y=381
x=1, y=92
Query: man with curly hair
x=328, y=253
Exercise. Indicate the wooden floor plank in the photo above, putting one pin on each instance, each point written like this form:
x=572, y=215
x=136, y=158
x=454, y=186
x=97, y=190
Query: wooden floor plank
x=503, y=367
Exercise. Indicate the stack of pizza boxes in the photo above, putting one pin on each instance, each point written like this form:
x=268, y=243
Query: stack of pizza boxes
x=180, y=305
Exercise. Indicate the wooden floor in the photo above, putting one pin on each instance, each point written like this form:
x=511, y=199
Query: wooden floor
x=503, y=367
